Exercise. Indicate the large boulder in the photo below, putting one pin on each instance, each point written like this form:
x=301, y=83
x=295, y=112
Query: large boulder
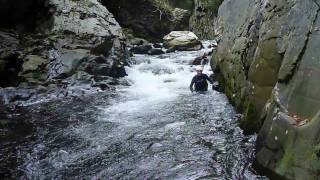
x=74, y=29
x=182, y=41
x=58, y=41
x=88, y=17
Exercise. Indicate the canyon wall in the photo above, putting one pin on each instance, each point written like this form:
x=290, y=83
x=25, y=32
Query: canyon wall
x=268, y=56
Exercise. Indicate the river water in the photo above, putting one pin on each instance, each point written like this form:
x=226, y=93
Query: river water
x=153, y=129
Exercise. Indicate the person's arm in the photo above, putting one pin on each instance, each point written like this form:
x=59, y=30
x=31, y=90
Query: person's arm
x=210, y=80
x=192, y=83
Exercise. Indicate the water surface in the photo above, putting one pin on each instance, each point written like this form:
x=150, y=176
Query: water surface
x=153, y=129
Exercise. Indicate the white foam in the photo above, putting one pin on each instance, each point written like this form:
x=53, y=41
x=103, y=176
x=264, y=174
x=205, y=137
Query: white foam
x=156, y=80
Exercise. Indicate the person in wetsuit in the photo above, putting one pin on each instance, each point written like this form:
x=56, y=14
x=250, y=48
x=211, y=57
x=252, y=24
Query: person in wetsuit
x=199, y=81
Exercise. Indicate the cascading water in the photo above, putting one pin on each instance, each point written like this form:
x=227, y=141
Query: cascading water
x=154, y=129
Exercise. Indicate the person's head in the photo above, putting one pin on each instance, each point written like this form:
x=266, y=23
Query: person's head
x=199, y=70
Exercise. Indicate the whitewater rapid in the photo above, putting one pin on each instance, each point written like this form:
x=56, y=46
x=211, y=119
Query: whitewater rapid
x=155, y=128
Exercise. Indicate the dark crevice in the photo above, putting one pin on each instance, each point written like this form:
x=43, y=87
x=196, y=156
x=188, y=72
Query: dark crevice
x=9, y=77
x=26, y=16
x=146, y=20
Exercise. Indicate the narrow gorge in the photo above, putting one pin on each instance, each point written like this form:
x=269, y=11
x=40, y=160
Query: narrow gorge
x=99, y=89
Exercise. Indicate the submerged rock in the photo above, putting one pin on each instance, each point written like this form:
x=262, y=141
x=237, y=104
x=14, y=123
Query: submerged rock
x=182, y=41
x=141, y=49
x=158, y=45
x=202, y=60
x=155, y=51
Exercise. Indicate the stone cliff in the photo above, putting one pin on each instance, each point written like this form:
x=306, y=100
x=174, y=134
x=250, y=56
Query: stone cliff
x=268, y=56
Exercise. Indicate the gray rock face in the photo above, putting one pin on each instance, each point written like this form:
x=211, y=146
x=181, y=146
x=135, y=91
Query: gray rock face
x=268, y=56
x=74, y=36
x=84, y=17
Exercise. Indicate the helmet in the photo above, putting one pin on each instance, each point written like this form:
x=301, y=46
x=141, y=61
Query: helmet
x=199, y=68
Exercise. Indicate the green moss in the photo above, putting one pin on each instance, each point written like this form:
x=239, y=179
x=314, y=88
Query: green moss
x=250, y=123
x=315, y=158
x=163, y=5
x=285, y=162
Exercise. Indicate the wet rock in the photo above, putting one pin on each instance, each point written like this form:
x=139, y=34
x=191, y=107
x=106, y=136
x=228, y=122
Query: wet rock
x=105, y=83
x=138, y=41
x=158, y=45
x=33, y=63
x=102, y=85
x=81, y=77
x=170, y=50
x=70, y=61
x=142, y=49
x=182, y=41
x=203, y=60
x=155, y=52
x=117, y=71
x=100, y=59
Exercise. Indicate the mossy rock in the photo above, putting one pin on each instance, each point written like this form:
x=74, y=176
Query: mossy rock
x=250, y=122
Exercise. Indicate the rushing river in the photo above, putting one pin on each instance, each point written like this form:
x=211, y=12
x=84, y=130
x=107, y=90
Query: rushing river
x=153, y=129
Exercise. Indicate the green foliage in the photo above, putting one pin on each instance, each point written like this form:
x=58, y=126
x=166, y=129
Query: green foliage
x=163, y=5
x=213, y=5
x=168, y=5
x=183, y=4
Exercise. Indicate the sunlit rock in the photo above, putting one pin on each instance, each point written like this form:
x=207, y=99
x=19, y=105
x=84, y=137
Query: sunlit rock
x=182, y=41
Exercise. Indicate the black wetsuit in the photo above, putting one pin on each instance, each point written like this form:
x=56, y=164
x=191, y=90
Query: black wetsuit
x=200, y=82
